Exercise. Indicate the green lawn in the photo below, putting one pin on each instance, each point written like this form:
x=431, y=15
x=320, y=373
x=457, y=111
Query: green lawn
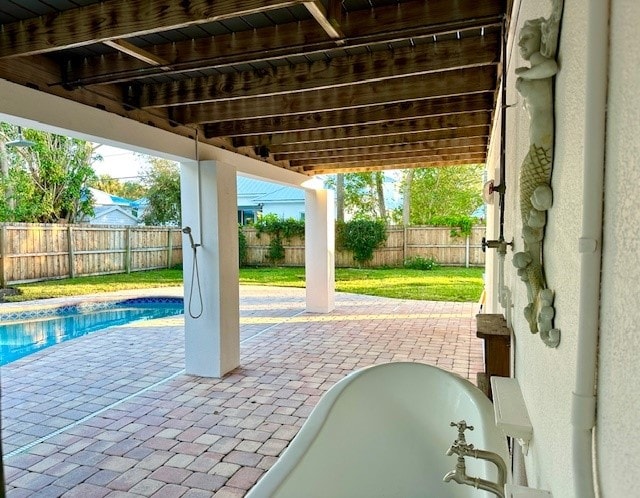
x=441, y=284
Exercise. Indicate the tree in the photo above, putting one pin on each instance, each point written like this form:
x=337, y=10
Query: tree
x=46, y=182
x=406, y=196
x=114, y=186
x=340, y=197
x=162, y=180
x=363, y=194
x=452, y=191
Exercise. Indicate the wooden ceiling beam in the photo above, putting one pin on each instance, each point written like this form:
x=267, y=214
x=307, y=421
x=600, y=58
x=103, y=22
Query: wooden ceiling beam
x=381, y=24
x=331, y=25
x=97, y=23
x=322, y=170
x=466, y=133
x=412, y=162
x=335, y=73
x=443, y=84
x=398, y=155
x=400, y=147
x=136, y=52
x=199, y=53
x=348, y=117
x=39, y=71
x=447, y=126
x=438, y=155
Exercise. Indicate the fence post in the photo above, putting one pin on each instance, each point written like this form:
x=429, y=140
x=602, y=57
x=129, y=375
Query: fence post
x=466, y=253
x=404, y=244
x=3, y=256
x=127, y=250
x=169, y=247
x=70, y=252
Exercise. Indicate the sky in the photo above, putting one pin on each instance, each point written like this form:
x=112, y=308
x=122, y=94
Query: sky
x=125, y=165
x=118, y=163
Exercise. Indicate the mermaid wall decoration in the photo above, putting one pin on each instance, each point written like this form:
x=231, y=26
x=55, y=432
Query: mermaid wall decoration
x=538, y=43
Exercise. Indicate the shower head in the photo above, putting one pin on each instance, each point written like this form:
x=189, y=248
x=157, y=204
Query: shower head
x=20, y=141
x=187, y=232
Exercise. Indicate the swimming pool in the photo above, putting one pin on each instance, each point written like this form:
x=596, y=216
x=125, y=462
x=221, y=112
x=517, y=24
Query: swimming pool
x=23, y=333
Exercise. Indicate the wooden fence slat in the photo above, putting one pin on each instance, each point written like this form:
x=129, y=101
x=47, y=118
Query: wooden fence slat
x=402, y=243
x=3, y=256
x=31, y=252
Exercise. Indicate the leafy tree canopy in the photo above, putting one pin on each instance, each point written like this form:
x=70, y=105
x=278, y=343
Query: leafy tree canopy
x=114, y=186
x=46, y=182
x=162, y=181
x=452, y=191
x=362, y=194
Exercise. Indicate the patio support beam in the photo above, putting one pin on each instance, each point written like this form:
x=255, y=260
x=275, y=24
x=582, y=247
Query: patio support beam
x=320, y=250
x=212, y=317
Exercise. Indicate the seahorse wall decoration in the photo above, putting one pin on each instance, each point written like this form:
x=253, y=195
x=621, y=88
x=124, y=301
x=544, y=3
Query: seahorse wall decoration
x=538, y=42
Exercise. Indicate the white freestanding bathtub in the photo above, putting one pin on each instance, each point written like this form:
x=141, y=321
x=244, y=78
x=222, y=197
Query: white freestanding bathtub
x=383, y=431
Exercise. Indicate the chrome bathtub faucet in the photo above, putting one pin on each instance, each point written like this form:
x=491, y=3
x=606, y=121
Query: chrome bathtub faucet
x=461, y=448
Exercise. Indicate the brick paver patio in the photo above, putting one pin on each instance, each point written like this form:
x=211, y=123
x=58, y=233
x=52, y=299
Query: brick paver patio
x=113, y=414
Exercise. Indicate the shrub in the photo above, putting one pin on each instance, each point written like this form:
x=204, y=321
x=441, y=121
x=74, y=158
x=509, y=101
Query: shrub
x=361, y=236
x=460, y=225
x=279, y=229
x=420, y=263
x=242, y=246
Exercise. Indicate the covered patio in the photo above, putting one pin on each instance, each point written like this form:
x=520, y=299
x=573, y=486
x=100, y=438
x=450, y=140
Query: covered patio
x=114, y=414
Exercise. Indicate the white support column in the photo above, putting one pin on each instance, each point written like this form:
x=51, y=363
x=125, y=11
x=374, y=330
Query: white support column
x=212, y=340
x=320, y=250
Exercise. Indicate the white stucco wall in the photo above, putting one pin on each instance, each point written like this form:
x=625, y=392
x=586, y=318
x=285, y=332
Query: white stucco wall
x=618, y=447
x=546, y=375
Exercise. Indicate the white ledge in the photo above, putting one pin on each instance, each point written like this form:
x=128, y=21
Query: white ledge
x=511, y=412
x=512, y=491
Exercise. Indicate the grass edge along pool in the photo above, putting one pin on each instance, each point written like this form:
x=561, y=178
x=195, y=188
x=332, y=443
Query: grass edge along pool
x=25, y=332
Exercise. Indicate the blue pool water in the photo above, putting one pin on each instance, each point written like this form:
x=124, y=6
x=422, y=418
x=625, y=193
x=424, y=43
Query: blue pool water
x=25, y=333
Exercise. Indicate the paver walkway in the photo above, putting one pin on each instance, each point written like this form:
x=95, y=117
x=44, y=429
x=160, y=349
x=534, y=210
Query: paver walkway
x=113, y=414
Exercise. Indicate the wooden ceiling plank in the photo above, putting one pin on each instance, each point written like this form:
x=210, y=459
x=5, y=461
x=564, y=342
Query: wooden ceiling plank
x=322, y=170
x=39, y=71
x=366, y=161
x=369, y=155
x=349, y=117
x=335, y=73
x=381, y=24
x=446, y=126
x=136, y=52
x=320, y=14
x=399, y=147
x=417, y=162
x=467, y=133
x=116, y=19
x=417, y=14
x=199, y=53
x=456, y=82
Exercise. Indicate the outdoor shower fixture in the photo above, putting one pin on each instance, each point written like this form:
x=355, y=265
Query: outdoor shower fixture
x=195, y=276
x=20, y=141
x=187, y=231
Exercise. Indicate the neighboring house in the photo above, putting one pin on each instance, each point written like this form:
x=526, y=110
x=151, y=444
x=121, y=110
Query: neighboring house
x=256, y=197
x=111, y=209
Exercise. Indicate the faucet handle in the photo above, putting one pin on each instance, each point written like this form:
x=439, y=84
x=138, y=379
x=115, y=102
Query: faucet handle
x=462, y=426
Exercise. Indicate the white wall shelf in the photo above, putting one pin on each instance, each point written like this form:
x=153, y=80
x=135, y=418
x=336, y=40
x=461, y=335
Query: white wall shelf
x=511, y=412
x=512, y=491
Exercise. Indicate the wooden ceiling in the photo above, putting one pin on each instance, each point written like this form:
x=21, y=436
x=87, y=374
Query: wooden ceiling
x=318, y=86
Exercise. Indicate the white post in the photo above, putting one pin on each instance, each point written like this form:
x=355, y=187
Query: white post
x=320, y=250
x=212, y=340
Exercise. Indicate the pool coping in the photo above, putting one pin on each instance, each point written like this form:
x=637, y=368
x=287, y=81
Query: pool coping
x=79, y=304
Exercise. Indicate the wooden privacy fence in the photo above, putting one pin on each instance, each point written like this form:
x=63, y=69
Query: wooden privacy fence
x=402, y=243
x=31, y=252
